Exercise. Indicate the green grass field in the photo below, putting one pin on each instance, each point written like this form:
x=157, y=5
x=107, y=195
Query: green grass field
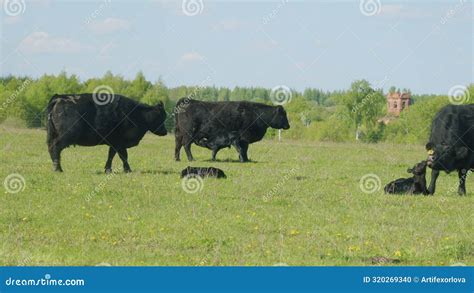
x=297, y=203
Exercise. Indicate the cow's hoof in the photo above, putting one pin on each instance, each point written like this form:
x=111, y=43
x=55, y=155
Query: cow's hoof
x=58, y=170
x=177, y=159
x=127, y=170
x=108, y=171
x=461, y=192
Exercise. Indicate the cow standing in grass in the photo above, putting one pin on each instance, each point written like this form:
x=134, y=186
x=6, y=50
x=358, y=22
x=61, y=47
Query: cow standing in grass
x=87, y=120
x=451, y=144
x=220, y=124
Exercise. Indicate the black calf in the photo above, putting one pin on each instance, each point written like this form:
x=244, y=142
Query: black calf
x=414, y=185
x=203, y=172
x=219, y=141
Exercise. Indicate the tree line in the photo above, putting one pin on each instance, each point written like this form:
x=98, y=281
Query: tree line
x=352, y=114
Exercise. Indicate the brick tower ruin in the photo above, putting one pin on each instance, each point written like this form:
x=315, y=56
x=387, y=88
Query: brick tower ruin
x=397, y=102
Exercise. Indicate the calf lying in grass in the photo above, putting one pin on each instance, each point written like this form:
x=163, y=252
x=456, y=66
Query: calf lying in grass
x=414, y=185
x=203, y=172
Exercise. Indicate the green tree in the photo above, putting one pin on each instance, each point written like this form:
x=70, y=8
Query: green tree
x=138, y=87
x=363, y=105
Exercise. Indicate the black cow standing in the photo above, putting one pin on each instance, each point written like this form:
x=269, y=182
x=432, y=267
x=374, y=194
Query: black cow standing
x=86, y=120
x=216, y=125
x=413, y=185
x=451, y=144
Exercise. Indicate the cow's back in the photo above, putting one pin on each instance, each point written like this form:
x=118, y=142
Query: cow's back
x=80, y=119
x=454, y=125
x=208, y=117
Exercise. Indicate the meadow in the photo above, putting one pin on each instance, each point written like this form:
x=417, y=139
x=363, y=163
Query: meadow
x=296, y=203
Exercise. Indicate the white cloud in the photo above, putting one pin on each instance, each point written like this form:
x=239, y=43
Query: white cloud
x=11, y=20
x=265, y=45
x=228, y=25
x=108, y=25
x=191, y=57
x=42, y=42
x=402, y=11
x=391, y=9
x=106, y=50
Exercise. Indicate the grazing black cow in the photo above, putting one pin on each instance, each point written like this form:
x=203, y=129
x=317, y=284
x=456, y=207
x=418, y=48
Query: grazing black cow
x=451, y=144
x=203, y=172
x=84, y=120
x=219, y=124
x=414, y=185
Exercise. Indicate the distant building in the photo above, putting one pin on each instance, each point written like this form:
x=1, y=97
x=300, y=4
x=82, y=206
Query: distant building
x=397, y=102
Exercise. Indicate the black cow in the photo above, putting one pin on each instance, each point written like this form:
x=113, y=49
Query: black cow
x=219, y=124
x=85, y=120
x=414, y=185
x=451, y=144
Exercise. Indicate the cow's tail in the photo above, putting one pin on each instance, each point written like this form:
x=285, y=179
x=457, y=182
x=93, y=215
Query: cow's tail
x=179, y=108
x=51, y=130
x=176, y=125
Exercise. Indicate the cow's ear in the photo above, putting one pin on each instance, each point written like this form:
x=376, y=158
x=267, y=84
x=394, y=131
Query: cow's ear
x=160, y=104
x=280, y=109
x=429, y=146
x=410, y=170
x=461, y=152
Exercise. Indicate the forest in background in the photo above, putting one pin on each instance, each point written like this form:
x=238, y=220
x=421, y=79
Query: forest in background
x=315, y=115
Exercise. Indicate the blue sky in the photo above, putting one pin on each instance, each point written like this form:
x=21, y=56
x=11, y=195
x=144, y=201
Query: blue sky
x=425, y=46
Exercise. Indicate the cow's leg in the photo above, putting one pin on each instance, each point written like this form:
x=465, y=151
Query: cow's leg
x=239, y=149
x=214, y=153
x=108, y=164
x=55, y=149
x=177, y=149
x=124, y=156
x=434, y=177
x=244, y=146
x=462, y=173
x=187, y=149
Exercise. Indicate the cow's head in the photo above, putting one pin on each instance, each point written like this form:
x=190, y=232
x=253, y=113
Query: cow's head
x=279, y=120
x=418, y=169
x=419, y=176
x=155, y=118
x=444, y=156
